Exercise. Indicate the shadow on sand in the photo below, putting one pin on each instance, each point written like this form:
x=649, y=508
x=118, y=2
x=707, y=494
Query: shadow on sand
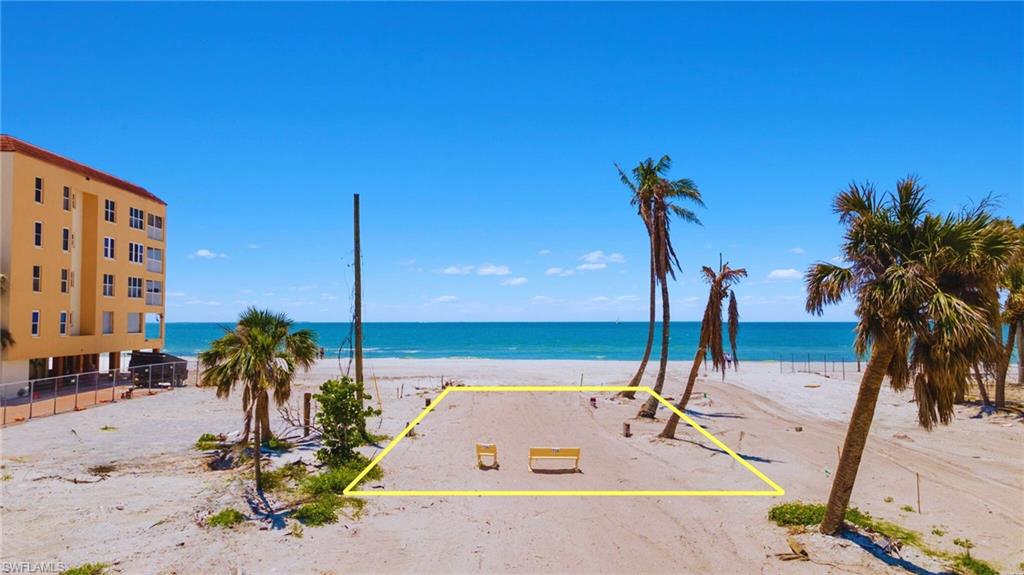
x=743, y=455
x=879, y=553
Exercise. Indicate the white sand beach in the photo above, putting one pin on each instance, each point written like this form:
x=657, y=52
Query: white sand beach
x=145, y=516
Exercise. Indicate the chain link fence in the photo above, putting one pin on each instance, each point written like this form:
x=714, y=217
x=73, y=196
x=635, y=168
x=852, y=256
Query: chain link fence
x=24, y=400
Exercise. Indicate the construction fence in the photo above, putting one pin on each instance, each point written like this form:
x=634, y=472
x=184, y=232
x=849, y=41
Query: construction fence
x=24, y=400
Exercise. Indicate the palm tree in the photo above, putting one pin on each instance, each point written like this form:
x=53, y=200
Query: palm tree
x=262, y=354
x=711, y=333
x=1013, y=315
x=657, y=200
x=923, y=288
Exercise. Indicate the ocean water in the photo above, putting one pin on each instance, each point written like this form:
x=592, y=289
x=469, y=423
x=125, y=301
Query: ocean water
x=584, y=340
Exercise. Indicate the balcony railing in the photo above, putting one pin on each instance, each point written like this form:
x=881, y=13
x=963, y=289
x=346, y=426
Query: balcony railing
x=156, y=266
x=154, y=298
x=155, y=233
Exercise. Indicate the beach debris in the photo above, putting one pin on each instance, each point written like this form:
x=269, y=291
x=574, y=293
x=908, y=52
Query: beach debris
x=813, y=385
x=903, y=436
x=828, y=472
x=797, y=551
x=798, y=429
x=426, y=402
x=593, y=402
x=625, y=429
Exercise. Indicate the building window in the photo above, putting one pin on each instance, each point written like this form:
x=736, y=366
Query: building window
x=135, y=252
x=35, y=323
x=38, y=237
x=37, y=278
x=67, y=199
x=154, y=292
x=108, y=285
x=109, y=211
x=154, y=260
x=65, y=239
x=155, y=231
x=108, y=322
x=63, y=323
x=135, y=218
x=108, y=248
x=134, y=287
x=134, y=322
x=39, y=190
x=63, y=281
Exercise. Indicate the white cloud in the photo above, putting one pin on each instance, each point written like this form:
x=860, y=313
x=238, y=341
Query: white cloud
x=446, y=299
x=457, y=270
x=514, y=281
x=542, y=299
x=796, y=250
x=784, y=274
x=591, y=266
x=175, y=294
x=598, y=256
x=544, y=252
x=493, y=270
x=254, y=246
x=600, y=299
x=561, y=272
x=206, y=254
x=627, y=298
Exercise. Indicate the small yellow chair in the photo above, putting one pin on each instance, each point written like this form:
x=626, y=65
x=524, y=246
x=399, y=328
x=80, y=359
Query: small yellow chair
x=486, y=450
x=568, y=453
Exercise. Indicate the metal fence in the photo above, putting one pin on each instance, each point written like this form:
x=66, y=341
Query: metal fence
x=24, y=400
x=829, y=365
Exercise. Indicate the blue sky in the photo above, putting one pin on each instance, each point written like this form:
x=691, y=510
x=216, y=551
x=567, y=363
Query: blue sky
x=482, y=139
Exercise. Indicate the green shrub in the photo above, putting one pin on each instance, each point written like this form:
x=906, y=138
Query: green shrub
x=87, y=569
x=938, y=532
x=336, y=479
x=209, y=441
x=318, y=512
x=906, y=508
x=226, y=517
x=342, y=419
x=275, y=444
x=285, y=478
x=797, y=513
x=805, y=514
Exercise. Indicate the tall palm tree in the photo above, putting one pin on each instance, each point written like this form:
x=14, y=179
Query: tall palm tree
x=262, y=354
x=711, y=333
x=923, y=288
x=662, y=197
x=1012, y=314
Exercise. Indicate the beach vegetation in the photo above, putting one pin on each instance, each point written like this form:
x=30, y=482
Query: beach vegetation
x=320, y=511
x=262, y=354
x=341, y=419
x=87, y=569
x=711, y=334
x=938, y=532
x=658, y=200
x=1012, y=315
x=277, y=444
x=288, y=477
x=226, y=517
x=907, y=508
x=209, y=442
x=925, y=303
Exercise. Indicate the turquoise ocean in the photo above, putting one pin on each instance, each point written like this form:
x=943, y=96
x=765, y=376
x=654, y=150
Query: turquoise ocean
x=583, y=340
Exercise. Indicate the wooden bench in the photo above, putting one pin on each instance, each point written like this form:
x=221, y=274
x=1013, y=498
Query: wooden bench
x=486, y=450
x=572, y=453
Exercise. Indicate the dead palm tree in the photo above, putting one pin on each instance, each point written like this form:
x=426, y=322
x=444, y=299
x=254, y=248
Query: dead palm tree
x=711, y=333
x=923, y=285
x=262, y=354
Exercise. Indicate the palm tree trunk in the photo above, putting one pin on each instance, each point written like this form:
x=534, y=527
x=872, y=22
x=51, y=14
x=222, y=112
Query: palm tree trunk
x=982, y=390
x=856, y=436
x=263, y=415
x=1020, y=352
x=670, y=427
x=1004, y=367
x=650, y=339
x=650, y=407
x=247, y=409
x=257, y=442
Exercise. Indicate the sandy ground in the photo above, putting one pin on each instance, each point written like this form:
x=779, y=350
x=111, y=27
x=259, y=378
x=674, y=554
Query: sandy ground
x=145, y=515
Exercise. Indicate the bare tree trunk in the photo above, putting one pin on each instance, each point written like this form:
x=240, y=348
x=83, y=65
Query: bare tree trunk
x=670, y=426
x=257, y=441
x=650, y=407
x=1020, y=352
x=650, y=339
x=981, y=386
x=856, y=436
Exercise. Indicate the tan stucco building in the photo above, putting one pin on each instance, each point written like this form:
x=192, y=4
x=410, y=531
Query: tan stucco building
x=83, y=254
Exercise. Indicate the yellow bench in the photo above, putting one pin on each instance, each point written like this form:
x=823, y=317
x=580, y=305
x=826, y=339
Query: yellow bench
x=572, y=453
x=486, y=450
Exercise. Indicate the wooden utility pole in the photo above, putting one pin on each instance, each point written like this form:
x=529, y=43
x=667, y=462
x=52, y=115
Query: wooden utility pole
x=358, y=316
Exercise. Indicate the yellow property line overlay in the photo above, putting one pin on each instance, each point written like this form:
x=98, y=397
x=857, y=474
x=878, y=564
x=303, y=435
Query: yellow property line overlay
x=775, y=490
